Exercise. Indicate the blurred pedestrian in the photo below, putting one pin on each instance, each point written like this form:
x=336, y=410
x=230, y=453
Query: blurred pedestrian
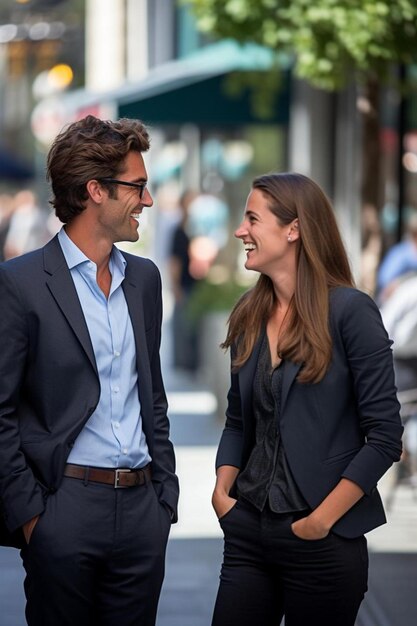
x=28, y=225
x=399, y=313
x=6, y=211
x=400, y=260
x=184, y=337
x=312, y=420
x=87, y=483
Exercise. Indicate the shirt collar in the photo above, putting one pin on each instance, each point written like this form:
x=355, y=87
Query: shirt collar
x=74, y=256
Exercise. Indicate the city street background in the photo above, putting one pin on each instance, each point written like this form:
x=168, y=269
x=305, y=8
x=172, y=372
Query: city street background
x=222, y=110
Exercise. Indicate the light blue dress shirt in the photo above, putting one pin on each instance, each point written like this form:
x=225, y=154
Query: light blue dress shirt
x=113, y=435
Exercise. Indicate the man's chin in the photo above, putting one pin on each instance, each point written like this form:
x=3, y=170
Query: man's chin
x=135, y=236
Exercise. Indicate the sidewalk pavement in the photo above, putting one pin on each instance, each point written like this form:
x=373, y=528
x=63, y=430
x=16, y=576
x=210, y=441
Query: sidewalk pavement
x=195, y=547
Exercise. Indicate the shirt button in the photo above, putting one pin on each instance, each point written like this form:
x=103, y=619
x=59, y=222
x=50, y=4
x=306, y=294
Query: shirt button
x=116, y=389
x=116, y=353
x=125, y=450
x=117, y=424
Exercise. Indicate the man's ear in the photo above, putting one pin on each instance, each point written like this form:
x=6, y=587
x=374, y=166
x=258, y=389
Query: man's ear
x=96, y=192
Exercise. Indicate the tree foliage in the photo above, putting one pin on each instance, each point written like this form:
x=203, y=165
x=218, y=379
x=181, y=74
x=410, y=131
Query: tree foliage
x=329, y=39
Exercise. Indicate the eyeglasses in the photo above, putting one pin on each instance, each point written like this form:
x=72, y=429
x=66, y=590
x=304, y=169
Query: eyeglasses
x=139, y=186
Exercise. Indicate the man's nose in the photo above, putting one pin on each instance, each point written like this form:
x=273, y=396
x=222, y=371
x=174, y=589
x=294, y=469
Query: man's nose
x=147, y=199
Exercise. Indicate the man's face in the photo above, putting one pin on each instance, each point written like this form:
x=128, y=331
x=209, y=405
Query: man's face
x=118, y=217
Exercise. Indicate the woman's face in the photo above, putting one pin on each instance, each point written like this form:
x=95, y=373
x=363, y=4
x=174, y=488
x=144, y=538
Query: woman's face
x=265, y=240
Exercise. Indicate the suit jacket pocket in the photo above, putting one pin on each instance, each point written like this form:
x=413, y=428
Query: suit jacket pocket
x=342, y=456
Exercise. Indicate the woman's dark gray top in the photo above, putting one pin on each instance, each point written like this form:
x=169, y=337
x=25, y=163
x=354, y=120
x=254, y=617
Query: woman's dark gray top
x=267, y=477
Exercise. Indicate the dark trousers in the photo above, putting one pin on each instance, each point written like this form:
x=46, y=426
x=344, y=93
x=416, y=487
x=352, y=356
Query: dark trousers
x=96, y=557
x=268, y=572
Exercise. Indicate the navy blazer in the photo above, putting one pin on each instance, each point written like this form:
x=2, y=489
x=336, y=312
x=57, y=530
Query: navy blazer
x=49, y=384
x=347, y=425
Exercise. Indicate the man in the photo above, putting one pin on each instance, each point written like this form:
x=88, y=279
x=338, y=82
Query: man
x=87, y=472
x=183, y=283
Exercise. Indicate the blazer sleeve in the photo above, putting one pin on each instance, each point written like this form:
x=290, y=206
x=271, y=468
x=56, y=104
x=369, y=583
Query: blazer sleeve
x=163, y=458
x=21, y=496
x=369, y=355
x=231, y=442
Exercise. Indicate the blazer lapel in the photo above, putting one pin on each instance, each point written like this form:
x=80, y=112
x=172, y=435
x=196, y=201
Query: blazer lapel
x=290, y=372
x=134, y=298
x=246, y=376
x=63, y=290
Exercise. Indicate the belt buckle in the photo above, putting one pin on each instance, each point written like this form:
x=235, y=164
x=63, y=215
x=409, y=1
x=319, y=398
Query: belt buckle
x=117, y=473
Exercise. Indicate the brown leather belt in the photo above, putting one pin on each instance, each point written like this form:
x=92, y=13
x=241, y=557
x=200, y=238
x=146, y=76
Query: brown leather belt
x=116, y=477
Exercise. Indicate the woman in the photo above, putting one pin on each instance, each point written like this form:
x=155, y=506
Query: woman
x=312, y=420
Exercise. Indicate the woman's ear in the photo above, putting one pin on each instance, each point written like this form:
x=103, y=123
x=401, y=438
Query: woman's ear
x=294, y=232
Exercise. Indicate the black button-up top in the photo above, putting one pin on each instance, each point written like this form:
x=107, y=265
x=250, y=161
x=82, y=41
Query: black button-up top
x=267, y=477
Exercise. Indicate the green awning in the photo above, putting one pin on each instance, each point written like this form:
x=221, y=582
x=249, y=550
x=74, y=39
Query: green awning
x=195, y=89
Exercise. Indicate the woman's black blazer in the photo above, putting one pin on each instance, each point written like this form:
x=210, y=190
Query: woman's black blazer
x=347, y=425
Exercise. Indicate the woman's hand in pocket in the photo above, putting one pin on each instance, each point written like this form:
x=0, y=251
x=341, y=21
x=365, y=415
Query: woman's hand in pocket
x=309, y=529
x=29, y=527
x=222, y=503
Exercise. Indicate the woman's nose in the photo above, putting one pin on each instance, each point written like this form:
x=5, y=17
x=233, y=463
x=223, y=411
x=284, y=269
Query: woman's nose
x=240, y=231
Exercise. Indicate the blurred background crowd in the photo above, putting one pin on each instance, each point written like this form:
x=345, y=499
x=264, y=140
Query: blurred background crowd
x=230, y=89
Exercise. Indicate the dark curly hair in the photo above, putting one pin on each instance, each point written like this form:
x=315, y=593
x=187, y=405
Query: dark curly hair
x=89, y=149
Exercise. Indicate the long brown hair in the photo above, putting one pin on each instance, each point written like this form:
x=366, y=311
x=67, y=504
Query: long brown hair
x=322, y=264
